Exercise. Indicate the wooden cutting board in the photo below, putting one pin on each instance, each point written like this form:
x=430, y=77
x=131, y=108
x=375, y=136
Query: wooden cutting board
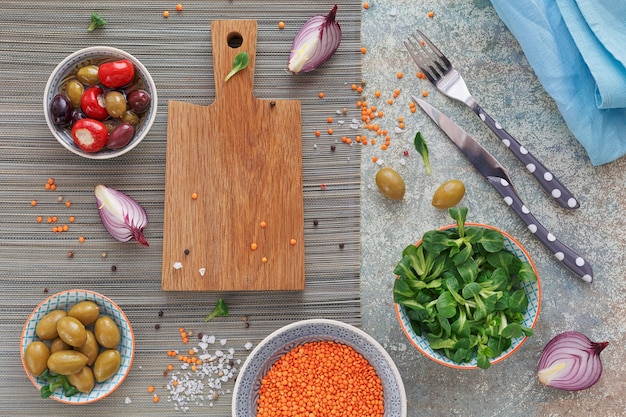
x=234, y=217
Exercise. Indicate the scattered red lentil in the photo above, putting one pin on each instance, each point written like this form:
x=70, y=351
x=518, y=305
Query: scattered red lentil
x=155, y=398
x=253, y=246
x=194, y=196
x=430, y=15
x=342, y=383
x=81, y=239
x=33, y=203
x=317, y=133
x=68, y=203
x=166, y=14
x=281, y=25
x=425, y=93
x=179, y=7
x=363, y=50
x=366, y=5
x=264, y=259
x=292, y=242
x=151, y=389
x=321, y=94
x=263, y=224
x=399, y=74
x=330, y=131
x=72, y=219
x=329, y=120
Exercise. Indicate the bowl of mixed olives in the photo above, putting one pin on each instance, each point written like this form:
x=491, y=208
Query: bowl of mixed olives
x=77, y=347
x=100, y=102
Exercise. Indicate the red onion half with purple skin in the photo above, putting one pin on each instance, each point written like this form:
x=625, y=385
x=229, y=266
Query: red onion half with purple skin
x=571, y=362
x=122, y=216
x=315, y=44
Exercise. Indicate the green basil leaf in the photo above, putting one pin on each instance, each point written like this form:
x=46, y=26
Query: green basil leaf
x=240, y=62
x=446, y=305
x=518, y=302
x=512, y=331
x=470, y=290
x=492, y=240
x=422, y=149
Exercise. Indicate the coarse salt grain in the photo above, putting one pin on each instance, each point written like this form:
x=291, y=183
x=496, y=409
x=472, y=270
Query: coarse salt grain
x=128, y=400
x=248, y=346
x=202, y=271
x=177, y=265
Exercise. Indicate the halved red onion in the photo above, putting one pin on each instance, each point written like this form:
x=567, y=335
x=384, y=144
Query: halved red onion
x=570, y=361
x=122, y=216
x=316, y=42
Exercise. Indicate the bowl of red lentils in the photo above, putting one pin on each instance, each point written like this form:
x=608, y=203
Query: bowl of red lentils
x=319, y=367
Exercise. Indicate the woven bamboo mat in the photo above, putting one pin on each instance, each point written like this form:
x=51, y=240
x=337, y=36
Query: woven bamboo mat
x=34, y=263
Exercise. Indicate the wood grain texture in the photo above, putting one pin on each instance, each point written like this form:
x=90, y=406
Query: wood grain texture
x=243, y=158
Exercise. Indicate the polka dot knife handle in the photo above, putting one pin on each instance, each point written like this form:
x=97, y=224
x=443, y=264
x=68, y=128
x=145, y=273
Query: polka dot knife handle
x=573, y=261
x=561, y=195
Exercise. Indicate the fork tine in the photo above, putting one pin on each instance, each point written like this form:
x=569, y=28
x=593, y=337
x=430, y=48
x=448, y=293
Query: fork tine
x=429, y=71
x=436, y=50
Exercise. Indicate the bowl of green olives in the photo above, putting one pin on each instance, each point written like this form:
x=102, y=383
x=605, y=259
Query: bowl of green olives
x=77, y=347
x=100, y=102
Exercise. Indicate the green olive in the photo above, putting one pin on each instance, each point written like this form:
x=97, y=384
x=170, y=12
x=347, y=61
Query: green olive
x=85, y=311
x=58, y=344
x=115, y=103
x=130, y=117
x=90, y=348
x=36, y=357
x=107, y=333
x=107, y=364
x=83, y=380
x=88, y=75
x=47, y=327
x=449, y=194
x=66, y=362
x=74, y=91
x=390, y=183
x=71, y=331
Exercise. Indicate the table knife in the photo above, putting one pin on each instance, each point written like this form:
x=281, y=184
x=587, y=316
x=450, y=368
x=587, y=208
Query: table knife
x=499, y=179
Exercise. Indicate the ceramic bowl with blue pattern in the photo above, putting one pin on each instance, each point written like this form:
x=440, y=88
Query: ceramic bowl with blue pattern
x=64, y=301
x=533, y=292
x=95, y=55
x=283, y=340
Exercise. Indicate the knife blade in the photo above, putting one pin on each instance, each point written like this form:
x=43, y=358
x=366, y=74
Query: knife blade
x=499, y=179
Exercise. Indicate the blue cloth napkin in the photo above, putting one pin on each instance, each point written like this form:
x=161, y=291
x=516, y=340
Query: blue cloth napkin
x=577, y=49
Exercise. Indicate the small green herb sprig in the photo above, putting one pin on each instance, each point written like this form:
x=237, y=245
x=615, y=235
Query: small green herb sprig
x=422, y=149
x=220, y=309
x=240, y=62
x=95, y=22
x=54, y=382
x=462, y=289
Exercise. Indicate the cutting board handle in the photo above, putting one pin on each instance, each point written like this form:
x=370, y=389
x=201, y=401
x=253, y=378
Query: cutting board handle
x=229, y=38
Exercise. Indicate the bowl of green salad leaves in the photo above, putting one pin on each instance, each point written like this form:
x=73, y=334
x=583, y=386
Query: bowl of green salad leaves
x=466, y=295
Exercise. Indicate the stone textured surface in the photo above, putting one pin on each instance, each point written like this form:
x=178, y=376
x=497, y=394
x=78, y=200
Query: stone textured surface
x=471, y=34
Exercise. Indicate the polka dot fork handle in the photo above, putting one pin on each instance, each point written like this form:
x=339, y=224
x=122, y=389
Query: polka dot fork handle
x=561, y=195
x=499, y=178
x=574, y=262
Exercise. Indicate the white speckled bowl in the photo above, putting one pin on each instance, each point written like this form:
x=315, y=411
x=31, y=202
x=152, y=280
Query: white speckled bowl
x=67, y=66
x=65, y=300
x=532, y=289
x=283, y=340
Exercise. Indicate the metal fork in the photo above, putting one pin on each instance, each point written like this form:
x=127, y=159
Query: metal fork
x=439, y=71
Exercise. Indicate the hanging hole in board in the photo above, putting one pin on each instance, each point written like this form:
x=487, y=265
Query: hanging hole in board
x=234, y=40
